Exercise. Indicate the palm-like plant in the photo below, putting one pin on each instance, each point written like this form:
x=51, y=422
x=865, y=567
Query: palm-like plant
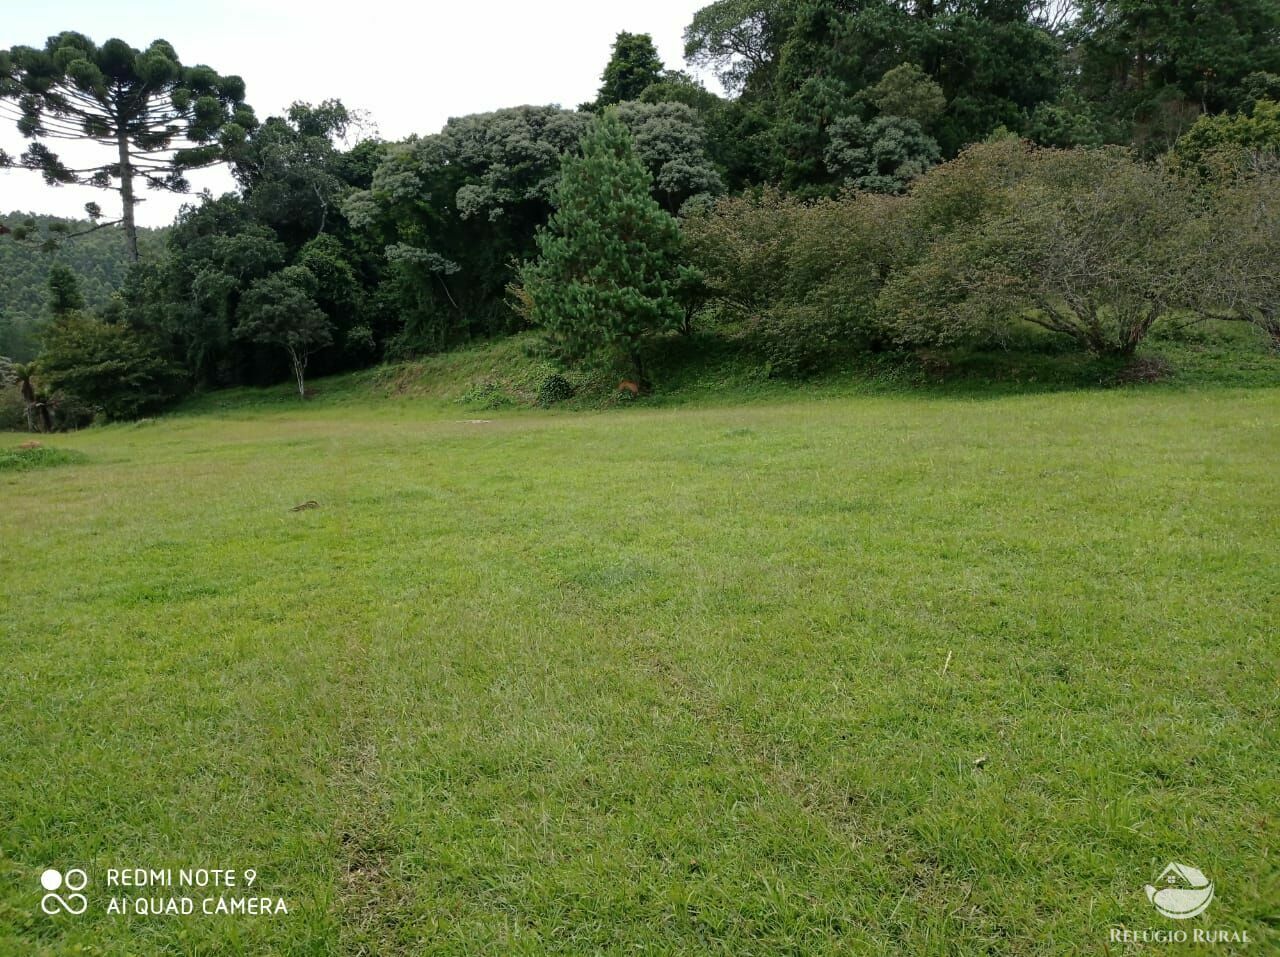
x=38, y=419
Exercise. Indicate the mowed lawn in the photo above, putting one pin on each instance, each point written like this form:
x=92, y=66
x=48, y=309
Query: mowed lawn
x=870, y=675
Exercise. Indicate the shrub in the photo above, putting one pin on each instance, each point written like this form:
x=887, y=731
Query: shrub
x=800, y=279
x=1079, y=242
x=960, y=193
x=23, y=459
x=1232, y=250
x=487, y=394
x=105, y=366
x=1213, y=140
x=742, y=245
x=555, y=388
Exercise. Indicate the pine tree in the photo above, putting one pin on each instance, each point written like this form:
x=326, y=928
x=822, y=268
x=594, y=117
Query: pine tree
x=64, y=290
x=633, y=67
x=603, y=283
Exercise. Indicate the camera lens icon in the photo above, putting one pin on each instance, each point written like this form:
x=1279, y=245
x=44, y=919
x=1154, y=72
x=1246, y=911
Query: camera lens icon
x=53, y=880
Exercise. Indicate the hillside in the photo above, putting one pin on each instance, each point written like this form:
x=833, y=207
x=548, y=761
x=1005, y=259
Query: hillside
x=98, y=259
x=713, y=369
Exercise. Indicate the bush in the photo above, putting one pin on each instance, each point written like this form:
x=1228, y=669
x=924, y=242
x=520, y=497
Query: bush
x=1214, y=140
x=1232, y=250
x=795, y=340
x=37, y=456
x=555, y=388
x=800, y=279
x=488, y=395
x=1083, y=243
x=104, y=366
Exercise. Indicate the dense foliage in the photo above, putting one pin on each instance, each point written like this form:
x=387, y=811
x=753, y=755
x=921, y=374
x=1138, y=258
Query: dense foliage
x=884, y=175
x=1094, y=246
x=799, y=279
x=99, y=260
x=603, y=283
x=109, y=367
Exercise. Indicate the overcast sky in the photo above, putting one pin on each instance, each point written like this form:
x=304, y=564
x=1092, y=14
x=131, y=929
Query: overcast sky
x=410, y=65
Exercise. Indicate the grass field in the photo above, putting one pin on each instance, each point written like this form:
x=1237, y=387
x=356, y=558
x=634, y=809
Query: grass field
x=881, y=674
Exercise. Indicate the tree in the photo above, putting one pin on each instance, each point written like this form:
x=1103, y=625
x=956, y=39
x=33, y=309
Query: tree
x=1259, y=85
x=98, y=259
x=799, y=65
x=633, y=66
x=107, y=366
x=37, y=412
x=451, y=212
x=602, y=285
x=907, y=91
x=188, y=298
x=882, y=156
x=1084, y=243
x=159, y=117
x=671, y=142
x=64, y=290
x=1066, y=122
x=281, y=310
x=739, y=39
x=1214, y=140
x=290, y=169
x=1151, y=66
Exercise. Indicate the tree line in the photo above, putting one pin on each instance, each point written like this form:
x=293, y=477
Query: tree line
x=884, y=174
x=98, y=260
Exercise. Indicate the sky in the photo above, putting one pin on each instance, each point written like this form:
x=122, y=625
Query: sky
x=409, y=65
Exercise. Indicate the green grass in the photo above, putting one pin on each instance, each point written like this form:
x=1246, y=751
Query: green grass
x=20, y=459
x=713, y=368
x=860, y=668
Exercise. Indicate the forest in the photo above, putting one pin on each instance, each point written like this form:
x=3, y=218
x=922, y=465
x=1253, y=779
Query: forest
x=882, y=176
x=98, y=260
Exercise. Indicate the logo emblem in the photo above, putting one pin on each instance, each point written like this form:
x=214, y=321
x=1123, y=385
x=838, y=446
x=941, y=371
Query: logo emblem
x=53, y=881
x=1181, y=891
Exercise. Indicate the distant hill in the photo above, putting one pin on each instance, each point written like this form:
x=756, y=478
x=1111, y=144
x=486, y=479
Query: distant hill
x=99, y=260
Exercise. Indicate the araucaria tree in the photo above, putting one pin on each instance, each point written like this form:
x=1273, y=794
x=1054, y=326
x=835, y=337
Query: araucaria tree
x=603, y=282
x=159, y=118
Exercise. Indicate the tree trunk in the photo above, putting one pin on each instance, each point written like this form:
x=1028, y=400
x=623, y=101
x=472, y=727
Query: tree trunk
x=638, y=364
x=127, y=201
x=29, y=403
x=299, y=369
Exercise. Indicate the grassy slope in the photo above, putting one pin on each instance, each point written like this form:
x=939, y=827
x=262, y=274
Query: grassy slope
x=675, y=679
x=506, y=374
